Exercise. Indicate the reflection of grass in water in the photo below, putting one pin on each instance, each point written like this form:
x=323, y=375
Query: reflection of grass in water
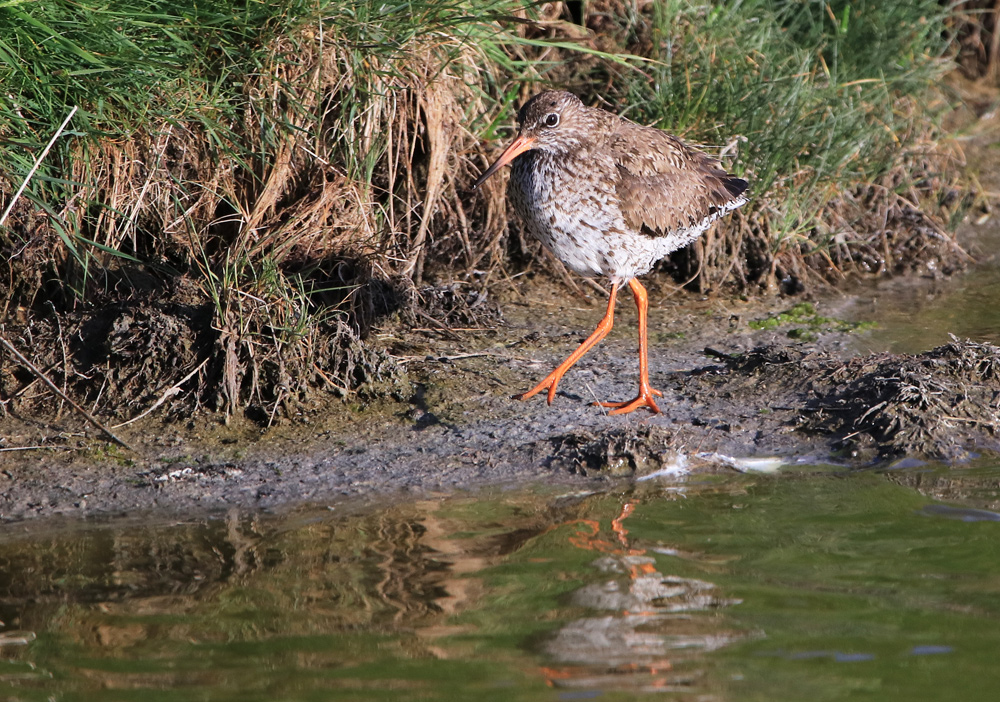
x=310, y=604
x=360, y=602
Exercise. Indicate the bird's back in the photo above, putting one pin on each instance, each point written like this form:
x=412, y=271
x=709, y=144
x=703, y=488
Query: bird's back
x=667, y=188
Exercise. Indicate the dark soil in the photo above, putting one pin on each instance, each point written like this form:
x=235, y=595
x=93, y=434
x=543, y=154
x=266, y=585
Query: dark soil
x=728, y=391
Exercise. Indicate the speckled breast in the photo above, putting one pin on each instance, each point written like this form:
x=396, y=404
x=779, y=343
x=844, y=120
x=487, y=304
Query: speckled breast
x=568, y=205
x=568, y=210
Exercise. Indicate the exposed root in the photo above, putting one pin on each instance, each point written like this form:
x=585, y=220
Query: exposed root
x=129, y=358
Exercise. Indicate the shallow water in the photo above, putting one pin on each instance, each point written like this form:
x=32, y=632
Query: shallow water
x=805, y=585
x=913, y=315
x=917, y=318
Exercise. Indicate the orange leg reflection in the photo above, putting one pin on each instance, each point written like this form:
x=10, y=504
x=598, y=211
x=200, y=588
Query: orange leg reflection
x=588, y=536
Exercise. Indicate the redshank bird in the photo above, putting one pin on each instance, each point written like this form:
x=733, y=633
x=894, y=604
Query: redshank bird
x=610, y=198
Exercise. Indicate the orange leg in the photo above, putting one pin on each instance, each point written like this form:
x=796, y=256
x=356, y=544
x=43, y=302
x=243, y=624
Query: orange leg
x=552, y=379
x=646, y=393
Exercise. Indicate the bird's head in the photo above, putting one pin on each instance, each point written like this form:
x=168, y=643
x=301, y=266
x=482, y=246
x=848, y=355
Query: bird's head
x=554, y=121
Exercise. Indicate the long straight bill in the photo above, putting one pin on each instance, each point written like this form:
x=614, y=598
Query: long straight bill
x=516, y=148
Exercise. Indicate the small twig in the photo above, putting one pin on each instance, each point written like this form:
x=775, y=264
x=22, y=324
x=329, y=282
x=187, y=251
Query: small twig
x=55, y=388
x=721, y=355
x=171, y=391
x=38, y=162
x=969, y=420
x=330, y=382
x=441, y=328
x=458, y=356
x=452, y=329
x=36, y=448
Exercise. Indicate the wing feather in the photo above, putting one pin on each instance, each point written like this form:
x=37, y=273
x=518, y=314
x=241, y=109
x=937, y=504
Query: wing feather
x=664, y=185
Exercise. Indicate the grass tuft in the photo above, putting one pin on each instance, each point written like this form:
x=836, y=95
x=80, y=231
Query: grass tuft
x=282, y=175
x=819, y=106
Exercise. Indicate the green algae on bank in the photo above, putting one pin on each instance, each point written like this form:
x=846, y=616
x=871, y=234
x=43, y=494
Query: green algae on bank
x=806, y=323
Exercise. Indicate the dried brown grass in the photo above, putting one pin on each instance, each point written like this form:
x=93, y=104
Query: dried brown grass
x=334, y=188
x=296, y=246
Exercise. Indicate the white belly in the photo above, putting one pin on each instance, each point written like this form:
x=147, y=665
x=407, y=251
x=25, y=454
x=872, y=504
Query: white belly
x=583, y=226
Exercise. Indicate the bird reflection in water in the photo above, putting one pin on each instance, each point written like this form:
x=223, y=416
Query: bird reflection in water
x=653, y=640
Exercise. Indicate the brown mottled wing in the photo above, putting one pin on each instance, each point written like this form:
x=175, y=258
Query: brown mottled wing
x=664, y=185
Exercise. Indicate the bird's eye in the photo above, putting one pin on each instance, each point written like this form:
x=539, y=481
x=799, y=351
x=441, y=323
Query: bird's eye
x=551, y=119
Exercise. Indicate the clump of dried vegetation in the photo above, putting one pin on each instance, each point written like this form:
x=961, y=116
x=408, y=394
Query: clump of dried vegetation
x=613, y=452
x=940, y=404
x=247, y=188
x=926, y=405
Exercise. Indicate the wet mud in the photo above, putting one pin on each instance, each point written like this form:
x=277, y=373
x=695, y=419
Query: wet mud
x=733, y=388
x=776, y=381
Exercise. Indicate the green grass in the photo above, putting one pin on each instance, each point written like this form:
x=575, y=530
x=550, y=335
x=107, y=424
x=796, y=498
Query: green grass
x=821, y=97
x=284, y=155
x=813, y=97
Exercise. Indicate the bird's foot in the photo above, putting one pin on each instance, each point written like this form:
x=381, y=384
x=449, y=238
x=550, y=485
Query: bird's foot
x=550, y=383
x=643, y=399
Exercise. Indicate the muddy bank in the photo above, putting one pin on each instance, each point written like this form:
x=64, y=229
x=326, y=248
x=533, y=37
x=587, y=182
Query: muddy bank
x=428, y=401
x=729, y=390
